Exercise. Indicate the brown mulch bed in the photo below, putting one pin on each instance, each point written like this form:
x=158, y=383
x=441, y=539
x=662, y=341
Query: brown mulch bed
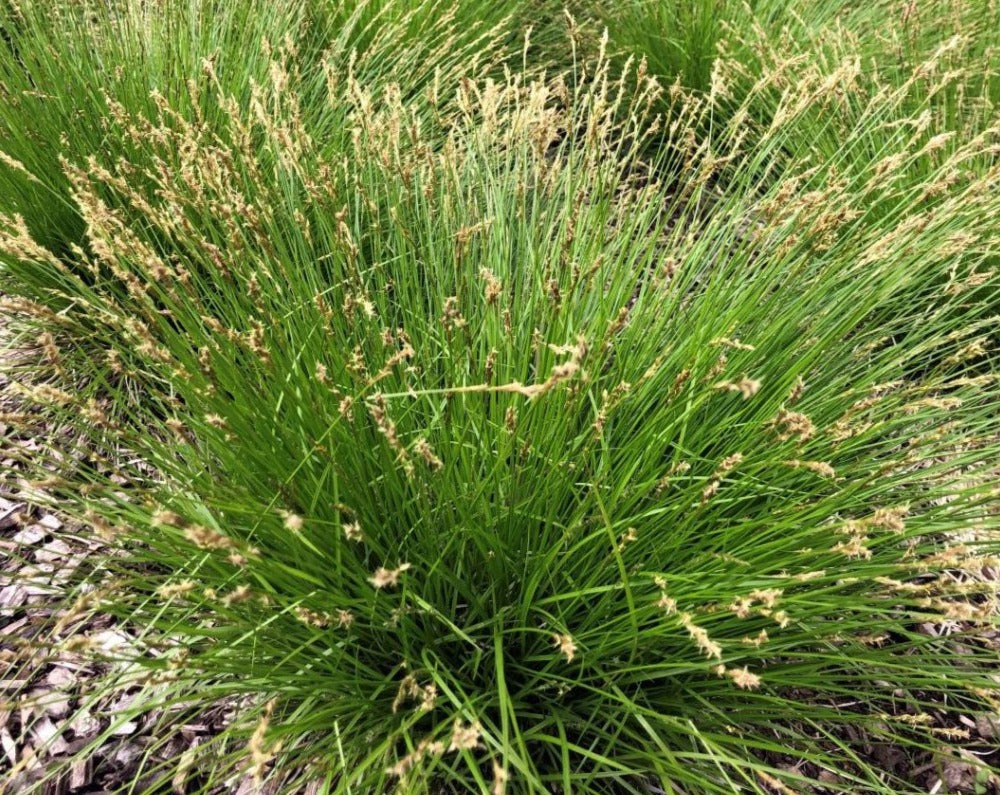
x=69, y=724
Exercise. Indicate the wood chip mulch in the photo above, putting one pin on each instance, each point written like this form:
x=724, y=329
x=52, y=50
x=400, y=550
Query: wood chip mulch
x=67, y=723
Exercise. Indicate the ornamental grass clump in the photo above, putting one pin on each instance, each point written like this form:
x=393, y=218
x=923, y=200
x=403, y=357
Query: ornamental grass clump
x=71, y=71
x=474, y=454
x=823, y=83
x=941, y=83
x=868, y=146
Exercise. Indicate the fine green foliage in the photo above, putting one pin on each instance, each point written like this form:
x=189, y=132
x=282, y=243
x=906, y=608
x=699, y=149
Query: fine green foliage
x=681, y=41
x=942, y=74
x=828, y=89
x=65, y=66
x=939, y=63
x=516, y=435
x=70, y=71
